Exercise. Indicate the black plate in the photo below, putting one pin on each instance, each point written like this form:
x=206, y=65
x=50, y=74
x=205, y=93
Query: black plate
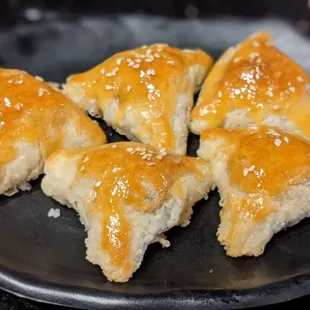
x=43, y=258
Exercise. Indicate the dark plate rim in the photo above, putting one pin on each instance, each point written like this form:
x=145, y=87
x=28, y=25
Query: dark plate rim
x=283, y=291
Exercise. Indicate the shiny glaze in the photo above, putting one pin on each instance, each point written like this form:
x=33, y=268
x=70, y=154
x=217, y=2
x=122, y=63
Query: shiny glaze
x=32, y=111
x=132, y=176
x=259, y=79
x=147, y=82
x=262, y=163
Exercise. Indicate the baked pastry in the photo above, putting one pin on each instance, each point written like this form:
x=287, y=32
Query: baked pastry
x=263, y=176
x=145, y=93
x=127, y=194
x=254, y=84
x=35, y=120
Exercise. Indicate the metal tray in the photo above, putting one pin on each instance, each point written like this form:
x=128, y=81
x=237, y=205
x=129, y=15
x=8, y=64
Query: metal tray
x=42, y=258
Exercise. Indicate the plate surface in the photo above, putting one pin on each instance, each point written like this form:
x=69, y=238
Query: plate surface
x=43, y=258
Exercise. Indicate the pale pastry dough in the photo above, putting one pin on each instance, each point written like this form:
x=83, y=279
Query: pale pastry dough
x=263, y=176
x=35, y=120
x=127, y=194
x=254, y=84
x=145, y=93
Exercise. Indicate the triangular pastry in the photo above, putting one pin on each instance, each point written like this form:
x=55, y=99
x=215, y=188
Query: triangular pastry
x=145, y=93
x=254, y=84
x=263, y=176
x=35, y=120
x=127, y=194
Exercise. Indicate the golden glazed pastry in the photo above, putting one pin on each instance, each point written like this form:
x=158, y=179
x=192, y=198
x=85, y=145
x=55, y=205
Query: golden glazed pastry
x=35, y=120
x=263, y=176
x=145, y=93
x=127, y=194
x=253, y=84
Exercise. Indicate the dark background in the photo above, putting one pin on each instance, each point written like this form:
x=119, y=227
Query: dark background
x=296, y=11
x=13, y=12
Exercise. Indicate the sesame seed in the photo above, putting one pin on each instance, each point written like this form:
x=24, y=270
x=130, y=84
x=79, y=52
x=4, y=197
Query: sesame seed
x=252, y=87
x=116, y=70
x=286, y=139
x=136, y=66
x=245, y=172
x=176, y=159
x=151, y=164
x=258, y=60
x=148, y=60
x=138, y=60
x=237, y=91
x=159, y=157
x=142, y=153
x=109, y=87
x=38, y=78
x=292, y=89
x=114, y=146
x=276, y=107
x=251, y=168
x=157, y=55
x=144, y=157
x=269, y=93
x=109, y=74
x=86, y=159
x=128, y=59
x=102, y=71
x=18, y=106
x=237, y=59
x=273, y=133
x=277, y=142
x=253, y=55
x=19, y=82
x=170, y=62
x=119, y=61
x=256, y=44
x=300, y=79
x=149, y=52
x=129, y=88
x=97, y=184
x=160, y=49
x=82, y=168
x=131, y=64
x=130, y=149
x=150, y=72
